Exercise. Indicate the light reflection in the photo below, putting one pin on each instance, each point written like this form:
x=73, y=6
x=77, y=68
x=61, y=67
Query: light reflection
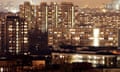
x=117, y=7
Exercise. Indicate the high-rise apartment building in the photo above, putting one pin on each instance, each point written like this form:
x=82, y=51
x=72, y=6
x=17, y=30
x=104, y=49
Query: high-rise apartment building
x=28, y=12
x=3, y=34
x=54, y=24
x=63, y=19
x=36, y=17
x=42, y=16
x=16, y=34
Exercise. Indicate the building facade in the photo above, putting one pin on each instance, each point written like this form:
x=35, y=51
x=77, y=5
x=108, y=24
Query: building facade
x=66, y=24
x=28, y=12
x=96, y=60
x=16, y=35
x=58, y=24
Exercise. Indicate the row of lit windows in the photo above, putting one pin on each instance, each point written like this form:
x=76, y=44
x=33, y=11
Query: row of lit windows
x=14, y=42
x=93, y=59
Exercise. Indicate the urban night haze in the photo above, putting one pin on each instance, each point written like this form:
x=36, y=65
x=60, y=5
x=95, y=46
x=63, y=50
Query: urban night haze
x=59, y=35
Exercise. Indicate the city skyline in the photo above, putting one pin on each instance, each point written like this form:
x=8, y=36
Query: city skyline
x=8, y=5
x=59, y=35
x=57, y=25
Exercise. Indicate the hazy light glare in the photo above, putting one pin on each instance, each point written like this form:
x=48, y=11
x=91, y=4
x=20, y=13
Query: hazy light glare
x=117, y=7
x=96, y=32
x=13, y=10
x=1, y=69
x=104, y=10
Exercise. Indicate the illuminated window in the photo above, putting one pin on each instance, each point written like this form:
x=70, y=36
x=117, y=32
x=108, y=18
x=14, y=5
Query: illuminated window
x=58, y=35
x=10, y=41
x=10, y=50
x=17, y=29
x=72, y=32
x=25, y=32
x=25, y=29
x=55, y=32
x=110, y=38
x=10, y=29
x=25, y=41
x=10, y=47
x=25, y=26
x=17, y=23
x=77, y=38
x=25, y=38
x=25, y=22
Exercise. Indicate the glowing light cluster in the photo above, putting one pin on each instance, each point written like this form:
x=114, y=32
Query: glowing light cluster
x=96, y=37
x=14, y=10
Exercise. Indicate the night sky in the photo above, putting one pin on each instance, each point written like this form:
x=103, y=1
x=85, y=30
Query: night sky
x=13, y=4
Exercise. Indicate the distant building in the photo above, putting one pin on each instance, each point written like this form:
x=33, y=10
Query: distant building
x=57, y=25
x=115, y=5
x=65, y=24
x=63, y=19
x=28, y=12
